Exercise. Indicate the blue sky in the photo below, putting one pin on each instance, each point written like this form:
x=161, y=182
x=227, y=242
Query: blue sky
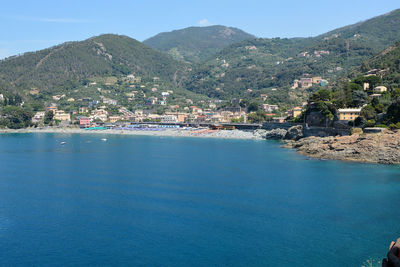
x=33, y=25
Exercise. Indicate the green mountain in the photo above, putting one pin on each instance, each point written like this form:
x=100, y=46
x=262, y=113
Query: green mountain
x=103, y=69
x=69, y=65
x=263, y=64
x=235, y=65
x=195, y=44
x=378, y=32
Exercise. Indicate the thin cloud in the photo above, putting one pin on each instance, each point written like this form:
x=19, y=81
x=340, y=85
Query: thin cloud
x=50, y=20
x=204, y=22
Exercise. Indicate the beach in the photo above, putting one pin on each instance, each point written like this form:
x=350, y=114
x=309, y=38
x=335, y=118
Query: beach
x=178, y=132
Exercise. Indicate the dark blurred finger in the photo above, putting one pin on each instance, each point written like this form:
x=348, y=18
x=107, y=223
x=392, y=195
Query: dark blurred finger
x=393, y=259
x=391, y=245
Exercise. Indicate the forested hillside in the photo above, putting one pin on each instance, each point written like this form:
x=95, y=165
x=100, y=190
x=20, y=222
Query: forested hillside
x=378, y=32
x=375, y=88
x=226, y=63
x=69, y=65
x=194, y=44
x=260, y=64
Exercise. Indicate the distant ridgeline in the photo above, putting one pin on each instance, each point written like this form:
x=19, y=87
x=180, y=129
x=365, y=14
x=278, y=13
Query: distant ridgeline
x=260, y=64
x=195, y=44
x=198, y=64
x=68, y=65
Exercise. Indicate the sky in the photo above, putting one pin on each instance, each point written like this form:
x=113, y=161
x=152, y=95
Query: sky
x=34, y=25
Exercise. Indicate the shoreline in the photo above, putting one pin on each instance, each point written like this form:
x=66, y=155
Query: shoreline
x=193, y=133
x=381, y=148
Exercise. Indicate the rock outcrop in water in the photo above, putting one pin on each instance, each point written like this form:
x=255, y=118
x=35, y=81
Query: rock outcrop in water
x=374, y=148
x=260, y=133
x=278, y=134
x=293, y=133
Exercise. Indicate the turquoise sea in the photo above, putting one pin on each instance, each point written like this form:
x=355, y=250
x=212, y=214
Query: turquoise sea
x=154, y=201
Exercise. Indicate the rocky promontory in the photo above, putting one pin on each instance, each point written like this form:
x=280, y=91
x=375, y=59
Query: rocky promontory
x=381, y=147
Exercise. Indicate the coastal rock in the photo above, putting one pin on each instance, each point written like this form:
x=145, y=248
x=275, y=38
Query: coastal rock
x=261, y=133
x=294, y=133
x=276, y=134
x=375, y=148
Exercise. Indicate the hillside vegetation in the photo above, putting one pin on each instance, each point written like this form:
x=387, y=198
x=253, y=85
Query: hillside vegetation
x=194, y=44
x=225, y=64
x=378, y=107
x=264, y=63
x=68, y=65
x=378, y=32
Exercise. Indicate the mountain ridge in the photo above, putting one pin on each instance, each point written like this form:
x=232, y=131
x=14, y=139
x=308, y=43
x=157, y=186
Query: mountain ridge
x=74, y=61
x=264, y=63
x=194, y=44
x=240, y=69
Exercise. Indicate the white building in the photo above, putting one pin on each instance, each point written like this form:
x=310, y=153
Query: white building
x=62, y=116
x=380, y=89
x=169, y=119
x=39, y=116
x=269, y=108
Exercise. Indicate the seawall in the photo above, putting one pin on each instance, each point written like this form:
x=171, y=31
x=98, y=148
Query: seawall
x=307, y=130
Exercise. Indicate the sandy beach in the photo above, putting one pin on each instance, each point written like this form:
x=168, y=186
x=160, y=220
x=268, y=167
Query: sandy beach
x=195, y=133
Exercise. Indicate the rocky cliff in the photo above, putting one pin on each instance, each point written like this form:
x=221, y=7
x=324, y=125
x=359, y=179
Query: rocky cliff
x=374, y=148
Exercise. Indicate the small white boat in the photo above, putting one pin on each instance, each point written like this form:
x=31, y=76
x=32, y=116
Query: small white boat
x=104, y=139
x=63, y=143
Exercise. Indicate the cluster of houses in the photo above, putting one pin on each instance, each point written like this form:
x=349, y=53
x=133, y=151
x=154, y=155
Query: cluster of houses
x=87, y=118
x=196, y=115
x=307, y=82
x=350, y=114
x=317, y=53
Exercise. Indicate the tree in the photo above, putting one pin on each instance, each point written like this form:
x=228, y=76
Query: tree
x=253, y=106
x=237, y=120
x=358, y=122
x=257, y=117
x=379, y=108
x=327, y=110
x=348, y=90
x=368, y=113
x=365, y=66
x=321, y=95
x=15, y=117
x=393, y=112
x=12, y=100
x=396, y=94
x=359, y=98
x=48, y=117
x=370, y=123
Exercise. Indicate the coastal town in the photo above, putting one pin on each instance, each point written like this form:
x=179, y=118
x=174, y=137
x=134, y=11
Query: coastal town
x=200, y=133
x=145, y=102
x=107, y=111
x=262, y=90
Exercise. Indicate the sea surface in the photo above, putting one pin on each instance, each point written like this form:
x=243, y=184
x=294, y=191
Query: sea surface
x=164, y=201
